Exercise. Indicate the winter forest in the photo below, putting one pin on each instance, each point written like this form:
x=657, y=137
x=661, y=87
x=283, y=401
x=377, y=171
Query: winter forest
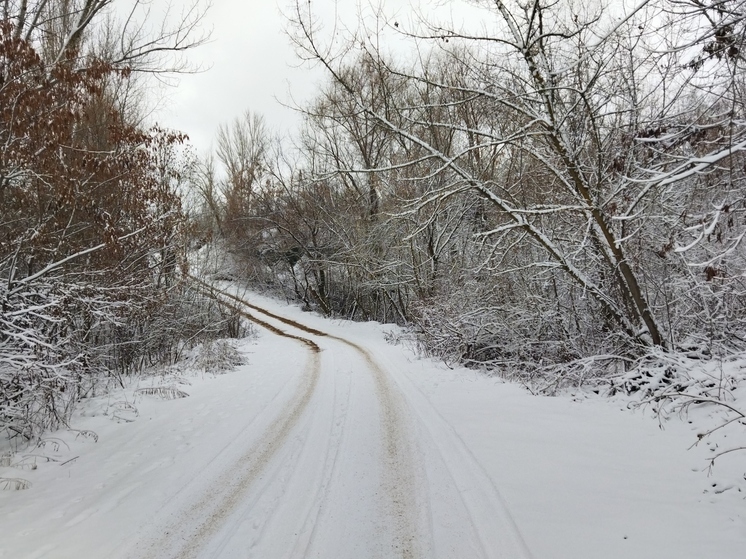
x=555, y=193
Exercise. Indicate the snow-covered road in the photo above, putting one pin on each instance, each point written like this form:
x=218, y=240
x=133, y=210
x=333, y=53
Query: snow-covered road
x=373, y=487
x=332, y=443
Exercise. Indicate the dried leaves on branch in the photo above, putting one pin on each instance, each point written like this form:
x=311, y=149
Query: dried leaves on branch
x=92, y=234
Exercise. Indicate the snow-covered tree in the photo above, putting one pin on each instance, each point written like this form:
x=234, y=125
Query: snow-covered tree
x=570, y=175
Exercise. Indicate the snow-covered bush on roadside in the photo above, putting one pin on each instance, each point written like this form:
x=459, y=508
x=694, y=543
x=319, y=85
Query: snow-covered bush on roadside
x=664, y=374
x=692, y=384
x=219, y=356
x=64, y=342
x=705, y=387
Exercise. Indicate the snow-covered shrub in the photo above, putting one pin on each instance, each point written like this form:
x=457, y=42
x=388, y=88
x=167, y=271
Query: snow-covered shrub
x=219, y=356
x=60, y=342
x=696, y=384
x=666, y=375
x=163, y=392
x=13, y=484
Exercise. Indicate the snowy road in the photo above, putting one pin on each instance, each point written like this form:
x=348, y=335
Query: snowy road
x=348, y=441
x=332, y=443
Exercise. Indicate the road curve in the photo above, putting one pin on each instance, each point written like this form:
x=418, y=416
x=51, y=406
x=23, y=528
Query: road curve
x=404, y=508
x=356, y=463
x=461, y=510
x=190, y=529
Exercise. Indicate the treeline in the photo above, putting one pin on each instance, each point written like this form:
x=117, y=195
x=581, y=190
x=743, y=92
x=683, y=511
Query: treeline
x=93, y=236
x=560, y=190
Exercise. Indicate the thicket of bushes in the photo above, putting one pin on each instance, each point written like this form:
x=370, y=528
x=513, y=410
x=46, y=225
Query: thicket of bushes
x=556, y=199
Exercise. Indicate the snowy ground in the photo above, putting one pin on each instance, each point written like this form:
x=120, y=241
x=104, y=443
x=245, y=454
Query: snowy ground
x=363, y=450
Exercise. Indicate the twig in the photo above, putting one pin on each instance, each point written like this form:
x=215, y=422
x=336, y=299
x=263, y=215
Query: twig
x=705, y=399
x=719, y=454
x=68, y=461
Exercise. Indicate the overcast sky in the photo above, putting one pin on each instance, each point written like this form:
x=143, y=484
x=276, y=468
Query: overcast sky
x=252, y=65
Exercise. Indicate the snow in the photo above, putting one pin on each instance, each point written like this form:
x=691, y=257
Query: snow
x=366, y=450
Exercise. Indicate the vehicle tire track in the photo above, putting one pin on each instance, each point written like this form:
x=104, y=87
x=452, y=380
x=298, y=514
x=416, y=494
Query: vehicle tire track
x=263, y=526
x=191, y=529
x=399, y=473
x=495, y=528
x=308, y=531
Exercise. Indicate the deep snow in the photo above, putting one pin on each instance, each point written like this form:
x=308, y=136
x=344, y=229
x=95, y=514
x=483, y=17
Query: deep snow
x=463, y=463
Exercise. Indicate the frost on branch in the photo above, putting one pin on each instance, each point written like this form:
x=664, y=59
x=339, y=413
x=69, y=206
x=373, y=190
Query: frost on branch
x=556, y=195
x=92, y=240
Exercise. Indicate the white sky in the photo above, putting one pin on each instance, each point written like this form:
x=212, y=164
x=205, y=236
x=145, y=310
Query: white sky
x=252, y=65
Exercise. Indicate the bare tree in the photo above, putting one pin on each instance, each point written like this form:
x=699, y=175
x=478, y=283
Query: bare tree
x=589, y=159
x=126, y=31
x=242, y=148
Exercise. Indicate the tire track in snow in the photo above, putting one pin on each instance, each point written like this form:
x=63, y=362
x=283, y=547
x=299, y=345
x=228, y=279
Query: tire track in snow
x=308, y=531
x=263, y=526
x=496, y=531
x=399, y=473
x=191, y=529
